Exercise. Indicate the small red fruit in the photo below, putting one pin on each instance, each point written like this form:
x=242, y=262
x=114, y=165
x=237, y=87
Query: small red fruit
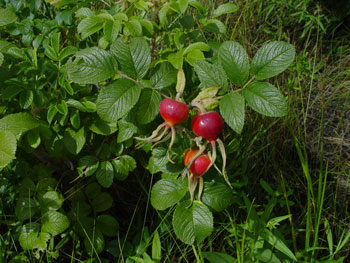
x=199, y=165
x=207, y=125
x=173, y=112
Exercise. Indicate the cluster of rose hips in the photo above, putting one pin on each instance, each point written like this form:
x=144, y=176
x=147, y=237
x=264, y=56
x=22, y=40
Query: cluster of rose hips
x=206, y=125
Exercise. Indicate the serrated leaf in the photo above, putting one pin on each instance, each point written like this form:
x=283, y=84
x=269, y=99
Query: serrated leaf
x=54, y=223
x=74, y=140
x=217, y=257
x=104, y=128
x=217, y=196
x=215, y=26
x=225, y=9
x=94, y=242
x=26, y=208
x=105, y=174
x=108, y=225
x=91, y=65
x=192, y=222
x=18, y=123
x=148, y=106
x=8, y=146
x=164, y=77
x=7, y=17
x=133, y=28
x=90, y=25
x=87, y=165
x=167, y=192
x=123, y=165
x=134, y=58
x=266, y=99
x=51, y=200
x=102, y=202
x=235, y=61
x=29, y=235
x=26, y=99
x=126, y=130
x=232, y=110
x=271, y=59
x=210, y=75
x=117, y=99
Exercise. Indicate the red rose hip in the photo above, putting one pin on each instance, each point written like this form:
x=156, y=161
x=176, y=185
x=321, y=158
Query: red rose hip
x=207, y=125
x=173, y=112
x=199, y=165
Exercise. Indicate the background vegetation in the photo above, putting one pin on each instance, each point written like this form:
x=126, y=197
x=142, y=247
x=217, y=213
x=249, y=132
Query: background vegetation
x=290, y=174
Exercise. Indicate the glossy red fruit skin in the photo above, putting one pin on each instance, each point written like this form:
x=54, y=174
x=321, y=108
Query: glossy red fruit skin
x=173, y=112
x=207, y=125
x=200, y=164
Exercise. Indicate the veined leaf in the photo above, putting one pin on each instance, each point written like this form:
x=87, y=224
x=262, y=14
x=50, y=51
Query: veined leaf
x=91, y=65
x=225, y=9
x=266, y=99
x=235, y=61
x=105, y=174
x=210, y=75
x=192, y=222
x=232, y=109
x=18, y=123
x=148, y=106
x=271, y=59
x=166, y=193
x=90, y=25
x=7, y=17
x=8, y=146
x=54, y=223
x=134, y=58
x=117, y=99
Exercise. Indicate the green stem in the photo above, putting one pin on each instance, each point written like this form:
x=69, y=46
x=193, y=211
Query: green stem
x=200, y=252
x=196, y=254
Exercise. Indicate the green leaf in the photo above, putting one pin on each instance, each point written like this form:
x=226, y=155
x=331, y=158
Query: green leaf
x=26, y=99
x=162, y=14
x=133, y=27
x=66, y=52
x=194, y=56
x=277, y=243
x=87, y=165
x=33, y=138
x=74, y=141
x=167, y=192
x=210, y=75
x=94, y=242
x=91, y=65
x=51, y=200
x=123, y=165
x=102, y=202
x=225, y=9
x=1, y=58
x=217, y=196
x=192, y=222
x=90, y=25
x=108, y=225
x=126, y=130
x=134, y=58
x=148, y=106
x=232, y=110
x=26, y=208
x=111, y=30
x=105, y=174
x=7, y=17
x=117, y=99
x=216, y=26
x=54, y=223
x=217, y=257
x=104, y=128
x=8, y=146
x=156, y=247
x=271, y=59
x=235, y=61
x=266, y=99
x=30, y=238
x=266, y=255
x=18, y=123
x=164, y=77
